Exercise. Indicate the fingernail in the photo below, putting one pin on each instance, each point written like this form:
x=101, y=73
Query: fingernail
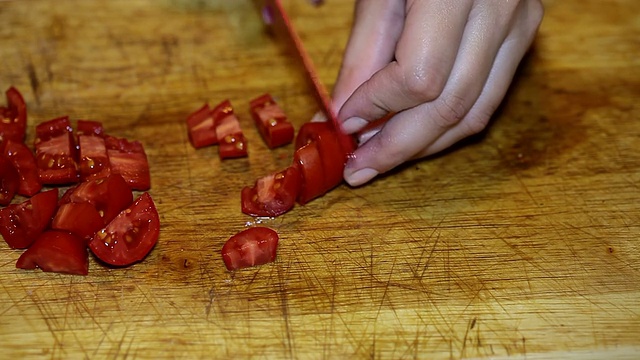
x=361, y=176
x=354, y=124
x=319, y=117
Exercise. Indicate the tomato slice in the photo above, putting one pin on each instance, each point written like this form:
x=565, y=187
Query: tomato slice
x=92, y=157
x=25, y=163
x=56, y=251
x=331, y=153
x=130, y=236
x=20, y=224
x=201, y=127
x=271, y=121
x=9, y=181
x=272, y=195
x=231, y=140
x=129, y=159
x=108, y=195
x=55, y=152
x=13, y=117
x=251, y=247
x=81, y=219
x=312, y=185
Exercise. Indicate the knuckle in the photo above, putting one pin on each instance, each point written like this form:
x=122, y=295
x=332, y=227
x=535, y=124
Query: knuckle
x=476, y=124
x=424, y=84
x=449, y=111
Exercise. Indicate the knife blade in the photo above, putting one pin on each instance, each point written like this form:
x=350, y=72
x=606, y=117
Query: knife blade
x=276, y=18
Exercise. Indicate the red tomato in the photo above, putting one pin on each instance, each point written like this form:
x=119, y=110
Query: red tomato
x=108, y=195
x=53, y=128
x=25, y=163
x=89, y=127
x=56, y=251
x=130, y=236
x=92, y=157
x=55, y=159
x=13, y=117
x=201, y=127
x=312, y=185
x=271, y=121
x=81, y=219
x=231, y=140
x=272, y=195
x=331, y=153
x=129, y=159
x=251, y=247
x=9, y=181
x=20, y=224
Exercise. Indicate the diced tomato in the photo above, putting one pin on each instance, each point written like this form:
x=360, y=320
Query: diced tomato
x=312, y=185
x=92, y=157
x=201, y=127
x=53, y=128
x=55, y=160
x=271, y=121
x=9, y=181
x=13, y=117
x=251, y=247
x=81, y=219
x=25, y=163
x=56, y=251
x=130, y=236
x=272, y=195
x=20, y=224
x=129, y=159
x=89, y=127
x=108, y=195
x=231, y=140
x=331, y=153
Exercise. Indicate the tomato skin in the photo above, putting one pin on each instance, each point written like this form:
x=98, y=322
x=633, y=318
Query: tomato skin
x=9, y=181
x=92, y=157
x=251, y=247
x=332, y=155
x=312, y=185
x=272, y=195
x=81, y=219
x=201, y=128
x=271, y=121
x=89, y=127
x=20, y=224
x=231, y=140
x=130, y=236
x=56, y=251
x=25, y=163
x=13, y=117
x=108, y=195
x=129, y=159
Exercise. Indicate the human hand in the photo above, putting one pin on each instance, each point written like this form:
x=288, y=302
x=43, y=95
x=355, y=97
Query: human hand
x=441, y=67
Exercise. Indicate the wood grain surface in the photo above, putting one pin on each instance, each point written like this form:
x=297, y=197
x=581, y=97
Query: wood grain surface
x=522, y=242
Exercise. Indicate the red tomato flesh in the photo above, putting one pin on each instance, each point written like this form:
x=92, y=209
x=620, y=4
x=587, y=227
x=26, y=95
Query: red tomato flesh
x=55, y=160
x=81, y=219
x=251, y=247
x=272, y=195
x=89, y=127
x=20, y=224
x=13, y=117
x=92, y=157
x=332, y=155
x=25, y=163
x=312, y=184
x=129, y=237
x=9, y=181
x=231, y=140
x=129, y=159
x=271, y=121
x=108, y=195
x=56, y=251
x=201, y=127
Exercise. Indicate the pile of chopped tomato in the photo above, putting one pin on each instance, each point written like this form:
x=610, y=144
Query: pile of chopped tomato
x=220, y=126
x=96, y=212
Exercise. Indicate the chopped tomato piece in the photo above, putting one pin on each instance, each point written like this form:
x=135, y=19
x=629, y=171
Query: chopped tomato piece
x=13, y=117
x=271, y=121
x=130, y=236
x=331, y=153
x=108, y=195
x=272, y=195
x=129, y=159
x=201, y=127
x=56, y=251
x=81, y=219
x=25, y=163
x=55, y=160
x=89, y=127
x=20, y=224
x=251, y=247
x=312, y=185
x=53, y=128
x=93, y=161
x=9, y=181
x=231, y=140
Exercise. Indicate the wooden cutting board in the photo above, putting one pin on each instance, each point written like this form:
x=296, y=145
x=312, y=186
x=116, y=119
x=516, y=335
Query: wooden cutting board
x=523, y=242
